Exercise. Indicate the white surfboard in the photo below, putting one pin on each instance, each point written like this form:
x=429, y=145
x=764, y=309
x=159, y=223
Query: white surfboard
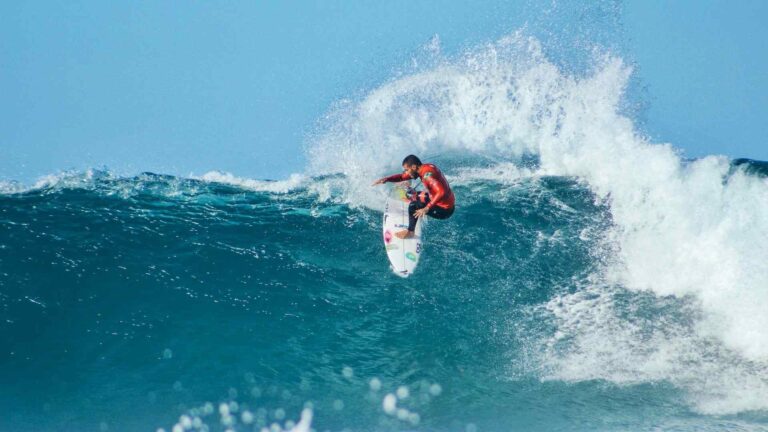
x=403, y=254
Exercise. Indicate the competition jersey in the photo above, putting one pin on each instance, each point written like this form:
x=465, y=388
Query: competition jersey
x=439, y=191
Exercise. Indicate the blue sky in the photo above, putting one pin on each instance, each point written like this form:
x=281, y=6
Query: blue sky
x=188, y=87
x=705, y=66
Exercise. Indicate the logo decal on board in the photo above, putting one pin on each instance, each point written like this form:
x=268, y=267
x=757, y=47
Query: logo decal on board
x=387, y=236
x=410, y=256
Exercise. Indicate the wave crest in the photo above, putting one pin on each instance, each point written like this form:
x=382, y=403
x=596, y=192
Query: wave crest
x=688, y=229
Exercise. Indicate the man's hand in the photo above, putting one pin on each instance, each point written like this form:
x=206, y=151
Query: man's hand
x=378, y=182
x=421, y=212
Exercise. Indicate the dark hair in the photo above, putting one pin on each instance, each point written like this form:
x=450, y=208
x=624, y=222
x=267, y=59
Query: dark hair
x=411, y=160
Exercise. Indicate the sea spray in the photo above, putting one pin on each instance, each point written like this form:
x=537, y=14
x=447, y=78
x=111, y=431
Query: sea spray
x=690, y=229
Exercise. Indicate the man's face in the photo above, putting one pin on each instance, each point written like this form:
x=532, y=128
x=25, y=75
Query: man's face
x=411, y=170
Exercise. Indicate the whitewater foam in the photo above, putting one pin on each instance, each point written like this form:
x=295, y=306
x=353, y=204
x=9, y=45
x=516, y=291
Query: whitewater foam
x=60, y=180
x=293, y=182
x=693, y=230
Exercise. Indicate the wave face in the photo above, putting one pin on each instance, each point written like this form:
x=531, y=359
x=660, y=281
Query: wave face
x=589, y=279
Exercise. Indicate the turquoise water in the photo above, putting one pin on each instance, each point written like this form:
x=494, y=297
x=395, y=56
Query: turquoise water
x=590, y=279
x=128, y=302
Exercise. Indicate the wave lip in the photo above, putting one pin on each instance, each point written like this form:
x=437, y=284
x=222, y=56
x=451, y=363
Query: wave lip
x=109, y=183
x=292, y=183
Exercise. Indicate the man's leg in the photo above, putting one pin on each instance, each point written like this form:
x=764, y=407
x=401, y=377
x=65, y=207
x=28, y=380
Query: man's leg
x=410, y=232
x=435, y=212
x=421, y=202
x=440, y=213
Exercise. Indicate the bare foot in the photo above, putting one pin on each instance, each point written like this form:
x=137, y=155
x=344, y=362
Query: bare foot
x=404, y=234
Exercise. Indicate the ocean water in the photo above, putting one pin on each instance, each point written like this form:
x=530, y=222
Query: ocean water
x=590, y=279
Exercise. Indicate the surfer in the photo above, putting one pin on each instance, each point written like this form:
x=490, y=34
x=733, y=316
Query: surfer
x=437, y=202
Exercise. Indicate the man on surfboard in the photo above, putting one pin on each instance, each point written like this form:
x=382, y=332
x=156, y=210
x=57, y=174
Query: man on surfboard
x=437, y=202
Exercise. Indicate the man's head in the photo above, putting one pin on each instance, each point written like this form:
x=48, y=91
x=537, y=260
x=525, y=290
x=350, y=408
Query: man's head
x=411, y=165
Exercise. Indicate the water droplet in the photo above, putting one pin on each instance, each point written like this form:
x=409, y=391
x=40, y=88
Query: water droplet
x=375, y=384
x=185, y=422
x=403, y=392
x=208, y=408
x=233, y=407
x=389, y=404
x=247, y=417
x=414, y=418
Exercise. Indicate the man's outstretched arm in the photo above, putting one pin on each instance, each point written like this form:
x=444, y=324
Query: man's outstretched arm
x=392, y=178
